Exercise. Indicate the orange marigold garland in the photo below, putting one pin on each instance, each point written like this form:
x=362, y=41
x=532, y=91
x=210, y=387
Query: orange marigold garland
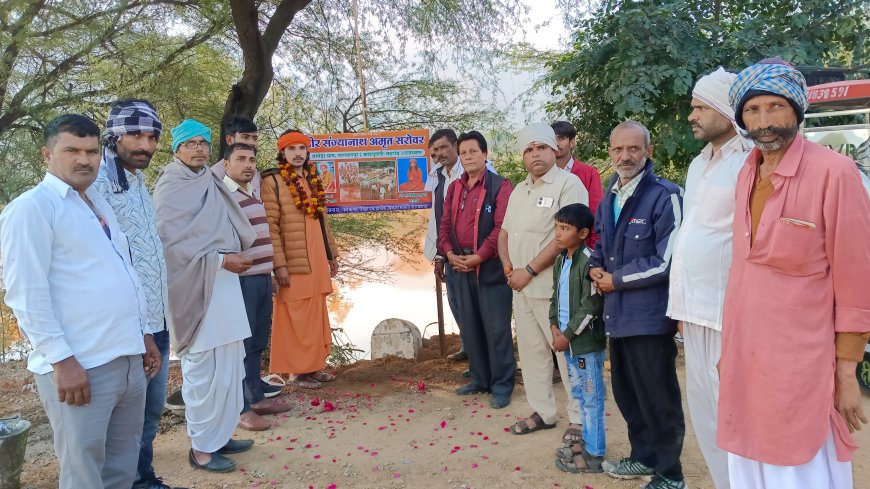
x=313, y=205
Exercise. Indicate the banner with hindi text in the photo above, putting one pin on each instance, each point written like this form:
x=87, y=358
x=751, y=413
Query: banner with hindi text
x=377, y=171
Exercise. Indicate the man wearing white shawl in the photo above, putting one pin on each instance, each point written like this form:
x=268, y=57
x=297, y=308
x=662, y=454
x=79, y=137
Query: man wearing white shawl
x=702, y=256
x=203, y=231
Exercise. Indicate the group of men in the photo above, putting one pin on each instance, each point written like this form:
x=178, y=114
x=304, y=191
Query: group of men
x=100, y=276
x=759, y=266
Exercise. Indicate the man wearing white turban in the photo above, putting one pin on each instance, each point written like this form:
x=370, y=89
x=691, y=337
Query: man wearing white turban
x=702, y=256
x=527, y=249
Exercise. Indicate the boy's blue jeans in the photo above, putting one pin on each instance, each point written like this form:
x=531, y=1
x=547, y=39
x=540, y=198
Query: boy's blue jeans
x=586, y=373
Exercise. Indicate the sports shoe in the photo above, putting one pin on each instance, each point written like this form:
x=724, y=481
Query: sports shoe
x=459, y=356
x=659, y=482
x=627, y=469
x=154, y=483
x=270, y=390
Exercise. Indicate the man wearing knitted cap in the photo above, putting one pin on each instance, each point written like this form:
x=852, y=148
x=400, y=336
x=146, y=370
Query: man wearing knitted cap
x=796, y=297
x=702, y=256
x=203, y=231
x=527, y=249
x=130, y=140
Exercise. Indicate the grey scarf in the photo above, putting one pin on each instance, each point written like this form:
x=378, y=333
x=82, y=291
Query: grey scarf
x=197, y=219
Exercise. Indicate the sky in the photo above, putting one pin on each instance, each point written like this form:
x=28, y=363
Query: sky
x=546, y=31
x=552, y=31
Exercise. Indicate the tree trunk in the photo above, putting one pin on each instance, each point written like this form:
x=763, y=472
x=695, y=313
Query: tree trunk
x=258, y=48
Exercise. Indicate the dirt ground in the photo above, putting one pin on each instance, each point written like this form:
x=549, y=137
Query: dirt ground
x=393, y=423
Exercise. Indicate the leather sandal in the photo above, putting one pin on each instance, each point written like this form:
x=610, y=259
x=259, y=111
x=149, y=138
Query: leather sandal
x=522, y=427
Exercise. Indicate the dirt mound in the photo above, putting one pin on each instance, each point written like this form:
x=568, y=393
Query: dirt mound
x=429, y=366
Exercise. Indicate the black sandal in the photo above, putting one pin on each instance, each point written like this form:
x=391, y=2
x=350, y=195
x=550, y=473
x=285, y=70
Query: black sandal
x=525, y=429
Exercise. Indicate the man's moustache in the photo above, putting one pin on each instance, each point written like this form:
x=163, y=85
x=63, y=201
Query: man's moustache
x=782, y=132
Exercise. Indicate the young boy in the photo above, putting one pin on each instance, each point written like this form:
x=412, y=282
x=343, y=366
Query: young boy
x=578, y=331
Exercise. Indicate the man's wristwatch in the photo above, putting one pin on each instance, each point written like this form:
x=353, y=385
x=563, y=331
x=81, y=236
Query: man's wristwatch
x=438, y=258
x=531, y=271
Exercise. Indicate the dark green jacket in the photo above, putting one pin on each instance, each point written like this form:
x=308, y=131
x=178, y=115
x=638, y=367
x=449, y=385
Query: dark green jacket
x=584, y=308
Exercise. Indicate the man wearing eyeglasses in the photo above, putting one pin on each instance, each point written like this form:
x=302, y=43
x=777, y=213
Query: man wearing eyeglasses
x=204, y=232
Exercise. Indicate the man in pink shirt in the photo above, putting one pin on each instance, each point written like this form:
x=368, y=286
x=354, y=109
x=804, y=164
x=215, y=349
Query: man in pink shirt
x=566, y=140
x=796, y=314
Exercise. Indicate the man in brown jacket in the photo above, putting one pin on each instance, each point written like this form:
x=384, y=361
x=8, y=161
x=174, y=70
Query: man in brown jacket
x=305, y=260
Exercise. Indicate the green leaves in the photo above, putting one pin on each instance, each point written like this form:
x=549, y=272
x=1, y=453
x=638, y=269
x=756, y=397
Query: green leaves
x=640, y=59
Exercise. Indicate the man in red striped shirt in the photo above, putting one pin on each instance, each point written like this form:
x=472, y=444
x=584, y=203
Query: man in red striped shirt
x=257, y=284
x=566, y=140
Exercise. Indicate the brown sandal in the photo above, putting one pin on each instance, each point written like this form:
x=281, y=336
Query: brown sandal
x=573, y=435
x=522, y=427
x=321, y=376
x=304, y=382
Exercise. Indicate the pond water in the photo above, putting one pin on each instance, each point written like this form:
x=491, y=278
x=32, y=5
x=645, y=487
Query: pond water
x=408, y=294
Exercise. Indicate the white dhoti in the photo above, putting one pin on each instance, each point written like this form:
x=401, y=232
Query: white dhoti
x=824, y=471
x=703, y=347
x=212, y=390
x=213, y=367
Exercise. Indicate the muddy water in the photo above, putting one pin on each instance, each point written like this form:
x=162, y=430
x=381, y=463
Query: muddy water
x=409, y=295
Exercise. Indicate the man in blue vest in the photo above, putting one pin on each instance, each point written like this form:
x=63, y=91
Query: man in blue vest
x=468, y=235
x=637, y=223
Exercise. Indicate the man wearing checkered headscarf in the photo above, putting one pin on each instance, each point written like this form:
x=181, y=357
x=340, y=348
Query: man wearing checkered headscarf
x=801, y=255
x=129, y=142
x=128, y=117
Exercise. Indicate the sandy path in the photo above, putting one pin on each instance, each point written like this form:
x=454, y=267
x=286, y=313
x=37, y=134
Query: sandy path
x=388, y=434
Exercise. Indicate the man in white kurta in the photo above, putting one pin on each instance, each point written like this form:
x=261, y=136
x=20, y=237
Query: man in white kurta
x=203, y=231
x=702, y=256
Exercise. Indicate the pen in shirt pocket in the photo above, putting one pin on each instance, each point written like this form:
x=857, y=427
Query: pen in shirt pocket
x=797, y=222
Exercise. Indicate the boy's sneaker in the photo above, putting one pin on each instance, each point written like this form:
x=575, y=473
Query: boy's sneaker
x=659, y=482
x=627, y=469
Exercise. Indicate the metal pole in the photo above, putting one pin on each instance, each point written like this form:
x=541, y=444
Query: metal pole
x=440, y=302
x=359, y=67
